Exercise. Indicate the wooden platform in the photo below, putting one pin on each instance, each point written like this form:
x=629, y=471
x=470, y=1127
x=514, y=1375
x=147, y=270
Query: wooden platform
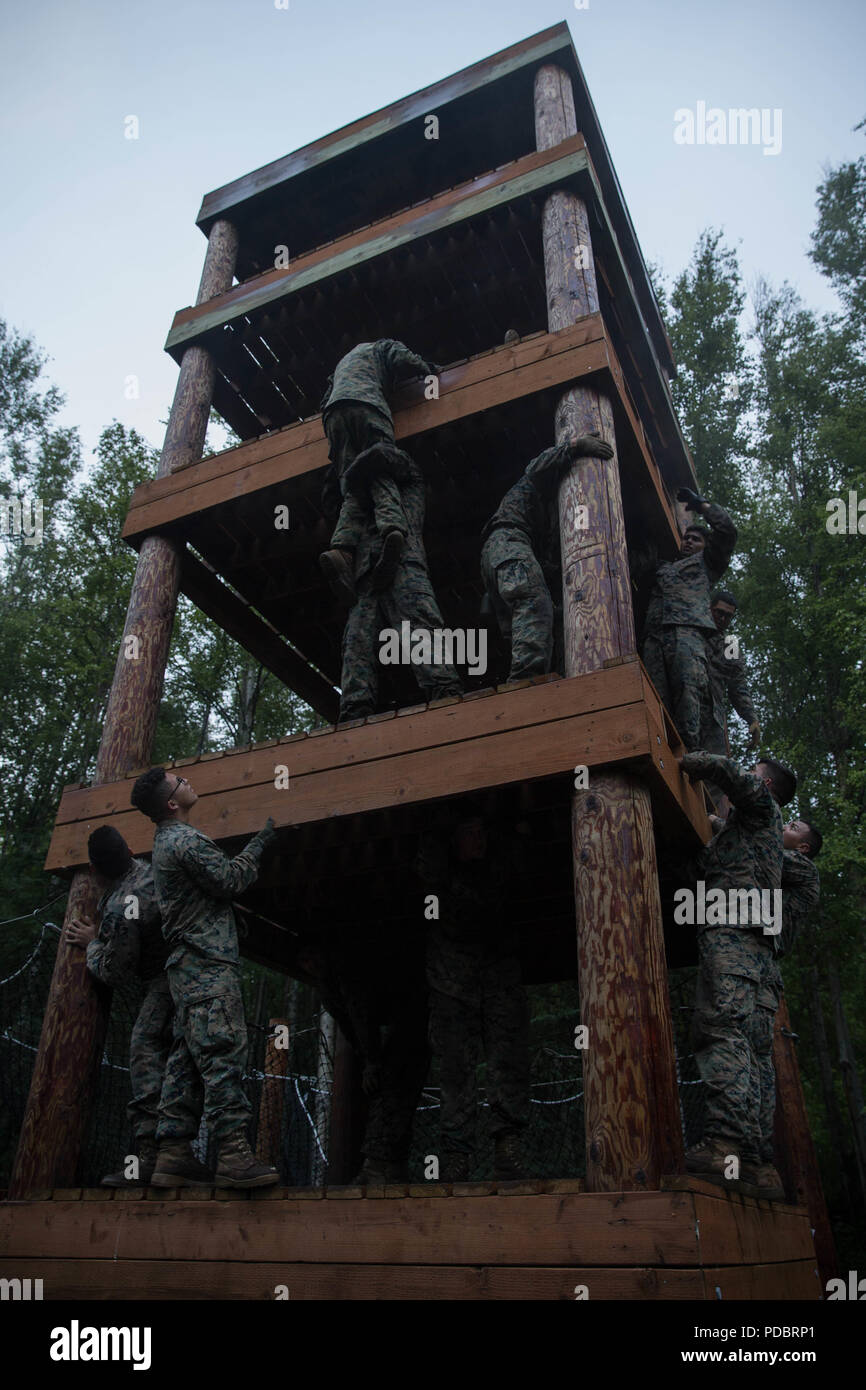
x=533, y=729
x=473, y=1241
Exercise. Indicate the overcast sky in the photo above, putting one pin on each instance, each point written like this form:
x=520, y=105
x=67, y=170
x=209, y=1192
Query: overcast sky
x=99, y=242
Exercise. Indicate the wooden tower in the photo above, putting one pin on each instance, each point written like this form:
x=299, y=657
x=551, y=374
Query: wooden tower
x=504, y=212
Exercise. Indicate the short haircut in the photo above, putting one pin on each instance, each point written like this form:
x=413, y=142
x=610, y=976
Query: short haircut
x=784, y=779
x=108, y=852
x=698, y=530
x=814, y=839
x=148, y=794
x=723, y=596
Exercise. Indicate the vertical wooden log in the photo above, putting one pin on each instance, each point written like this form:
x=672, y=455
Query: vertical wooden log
x=795, y=1152
x=271, y=1101
x=348, y=1112
x=321, y=1143
x=65, y=1071
x=633, y=1133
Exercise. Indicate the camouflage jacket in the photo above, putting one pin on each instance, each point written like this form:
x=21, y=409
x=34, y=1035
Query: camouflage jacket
x=195, y=883
x=728, y=680
x=130, y=940
x=371, y=372
x=524, y=507
x=801, y=886
x=413, y=495
x=681, y=593
x=747, y=851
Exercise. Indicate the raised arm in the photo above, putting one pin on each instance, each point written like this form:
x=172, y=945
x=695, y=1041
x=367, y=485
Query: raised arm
x=212, y=870
x=751, y=797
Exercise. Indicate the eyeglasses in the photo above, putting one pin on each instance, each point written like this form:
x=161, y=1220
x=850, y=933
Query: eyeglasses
x=178, y=783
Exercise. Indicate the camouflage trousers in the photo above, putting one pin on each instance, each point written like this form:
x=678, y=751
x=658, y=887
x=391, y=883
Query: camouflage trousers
x=404, y=1062
x=738, y=993
x=205, y=1069
x=409, y=597
x=351, y=428
x=521, y=600
x=676, y=660
x=495, y=1023
x=149, y=1048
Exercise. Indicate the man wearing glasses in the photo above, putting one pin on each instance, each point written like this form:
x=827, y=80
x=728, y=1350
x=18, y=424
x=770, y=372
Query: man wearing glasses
x=195, y=884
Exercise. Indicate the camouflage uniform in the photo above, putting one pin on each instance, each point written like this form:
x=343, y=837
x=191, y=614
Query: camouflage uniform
x=737, y=973
x=129, y=946
x=355, y=415
x=477, y=998
x=408, y=597
x=195, y=884
x=521, y=537
x=728, y=683
x=677, y=623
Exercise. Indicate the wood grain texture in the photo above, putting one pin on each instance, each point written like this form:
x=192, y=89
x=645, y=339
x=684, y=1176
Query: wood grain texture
x=633, y=1130
x=218, y=1279
x=276, y=1067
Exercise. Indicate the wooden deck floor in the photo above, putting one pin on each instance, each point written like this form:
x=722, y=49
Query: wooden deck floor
x=516, y=1241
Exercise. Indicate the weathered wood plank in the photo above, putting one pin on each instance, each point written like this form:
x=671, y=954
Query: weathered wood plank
x=732, y=1233
x=497, y=759
x=379, y=122
x=214, y=1279
x=524, y=177
x=789, y=1280
x=434, y=728
x=623, y=1229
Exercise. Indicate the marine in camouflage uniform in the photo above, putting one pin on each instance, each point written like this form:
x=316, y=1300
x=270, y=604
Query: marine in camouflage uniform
x=679, y=619
x=408, y=596
x=129, y=946
x=477, y=999
x=521, y=542
x=195, y=884
x=735, y=1002
x=356, y=415
x=728, y=680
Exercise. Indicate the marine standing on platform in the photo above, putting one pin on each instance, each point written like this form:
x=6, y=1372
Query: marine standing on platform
x=521, y=540
x=728, y=681
x=737, y=977
x=128, y=943
x=407, y=597
x=679, y=619
x=477, y=998
x=195, y=884
x=356, y=415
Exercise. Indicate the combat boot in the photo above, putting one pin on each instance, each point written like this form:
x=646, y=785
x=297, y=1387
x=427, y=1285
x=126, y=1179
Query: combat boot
x=239, y=1167
x=146, y=1165
x=508, y=1164
x=177, y=1166
x=376, y=1172
x=336, y=565
x=710, y=1160
x=762, y=1180
x=386, y=566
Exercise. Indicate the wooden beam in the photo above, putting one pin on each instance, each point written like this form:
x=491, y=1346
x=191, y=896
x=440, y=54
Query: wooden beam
x=387, y=118
x=519, y=735
x=524, y=176
x=256, y=635
x=578, y=1229
x=541, y=362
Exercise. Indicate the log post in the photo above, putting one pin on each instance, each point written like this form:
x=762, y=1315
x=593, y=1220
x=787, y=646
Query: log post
x=633, y=1133
x=348, y=1113
x=795, y=1152
x=271, y=1101
x=65, y=1071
